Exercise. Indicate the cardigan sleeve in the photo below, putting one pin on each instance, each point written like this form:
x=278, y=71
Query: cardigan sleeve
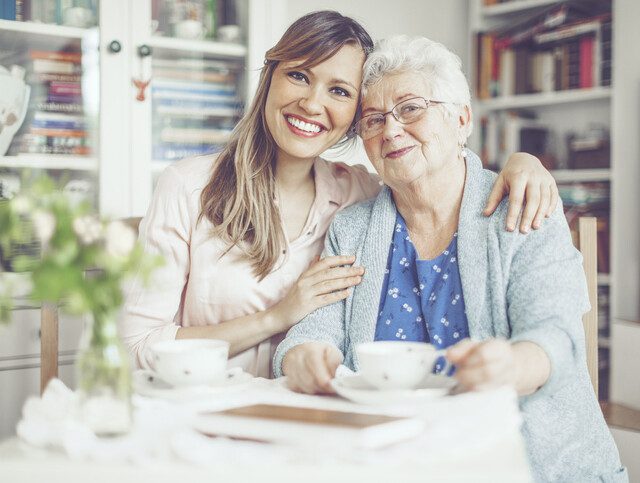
x=546, y=298
x=326, y=324
x=151, y=312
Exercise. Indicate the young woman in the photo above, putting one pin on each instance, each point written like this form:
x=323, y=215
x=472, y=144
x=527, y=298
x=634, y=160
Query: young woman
x=241, y=232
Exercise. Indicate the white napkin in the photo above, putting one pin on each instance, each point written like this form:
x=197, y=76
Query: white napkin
x=52, y=421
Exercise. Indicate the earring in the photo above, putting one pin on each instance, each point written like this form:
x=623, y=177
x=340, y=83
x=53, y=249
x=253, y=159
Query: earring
x=463, y=149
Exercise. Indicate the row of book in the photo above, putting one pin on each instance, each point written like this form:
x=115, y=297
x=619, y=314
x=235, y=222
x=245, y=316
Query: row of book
x=48, y=11
x=195, y=105
x=55, y=123
x=567, y=46
x=506, y=132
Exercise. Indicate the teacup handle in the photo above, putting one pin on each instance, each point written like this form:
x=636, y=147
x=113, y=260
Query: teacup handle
x=447, y=365
x=233, y=372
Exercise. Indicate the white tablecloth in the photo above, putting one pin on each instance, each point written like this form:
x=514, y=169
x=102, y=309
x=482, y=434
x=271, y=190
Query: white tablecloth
x=469, y=437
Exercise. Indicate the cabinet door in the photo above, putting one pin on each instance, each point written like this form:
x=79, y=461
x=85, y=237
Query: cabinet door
x=50, y=95
x=188, y=61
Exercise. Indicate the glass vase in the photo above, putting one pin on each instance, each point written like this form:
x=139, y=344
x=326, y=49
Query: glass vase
x=104, y=378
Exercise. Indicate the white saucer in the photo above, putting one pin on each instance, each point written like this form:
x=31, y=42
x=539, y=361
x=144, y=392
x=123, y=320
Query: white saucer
x=356, y=389
x=148, y=383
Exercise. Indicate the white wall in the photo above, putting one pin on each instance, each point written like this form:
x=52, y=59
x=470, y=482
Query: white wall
x=444, y=21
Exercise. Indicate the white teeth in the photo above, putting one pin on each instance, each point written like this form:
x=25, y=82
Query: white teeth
x=304, y=126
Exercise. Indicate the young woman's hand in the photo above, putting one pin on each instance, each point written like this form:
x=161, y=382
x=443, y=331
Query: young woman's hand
x=325, y=281
x=528, y=183
x=309, y=367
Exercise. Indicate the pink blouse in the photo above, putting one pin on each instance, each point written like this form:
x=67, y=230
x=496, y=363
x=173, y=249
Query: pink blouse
x=195, y=286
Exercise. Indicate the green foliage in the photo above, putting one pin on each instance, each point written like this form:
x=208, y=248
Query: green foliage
x=84, y=259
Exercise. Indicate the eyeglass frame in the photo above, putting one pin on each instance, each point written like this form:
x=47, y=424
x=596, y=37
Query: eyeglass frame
x=385, y=114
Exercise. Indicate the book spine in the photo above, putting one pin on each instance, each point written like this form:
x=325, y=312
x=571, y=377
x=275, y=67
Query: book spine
x=62, y=133
x=75, y=57
x=59, y=107
x=586, y=62
x=55, y=67
x=57, y=125
x=9, y=10
x=70, y=88
x=570, y=31
x=574, y=64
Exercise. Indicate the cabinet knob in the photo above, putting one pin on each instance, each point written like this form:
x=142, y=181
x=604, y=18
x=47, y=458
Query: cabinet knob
x=144, y=50
x=115, y=46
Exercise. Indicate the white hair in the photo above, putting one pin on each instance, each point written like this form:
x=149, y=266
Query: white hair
x=441, y=68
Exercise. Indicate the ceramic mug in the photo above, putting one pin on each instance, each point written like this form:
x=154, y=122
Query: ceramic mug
x=78, y=17
x=187, y=362
x=14, y=101
x=392, y=365
x=189, y=29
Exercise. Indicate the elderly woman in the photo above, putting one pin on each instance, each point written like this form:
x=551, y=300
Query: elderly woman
x=508, y=304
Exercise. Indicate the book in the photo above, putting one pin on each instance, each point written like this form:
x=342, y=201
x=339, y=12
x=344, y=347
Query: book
x=586, y=62
x=577, y=29
x=550, y=18
x=75, y=57
x=309, y=426
x=55, y=66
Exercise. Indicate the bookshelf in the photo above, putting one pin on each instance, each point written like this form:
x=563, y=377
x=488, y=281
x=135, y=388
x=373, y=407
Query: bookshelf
x=541, y=96
x=545, y=99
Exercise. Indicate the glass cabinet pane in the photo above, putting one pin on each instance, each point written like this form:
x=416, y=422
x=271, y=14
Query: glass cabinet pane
x=49, y=95
x=197, y=76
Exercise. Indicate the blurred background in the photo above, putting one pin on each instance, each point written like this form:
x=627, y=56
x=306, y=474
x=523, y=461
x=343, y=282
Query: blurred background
x=103, y=95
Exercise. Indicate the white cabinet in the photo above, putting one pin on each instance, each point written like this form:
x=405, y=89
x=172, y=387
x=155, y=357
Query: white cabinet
x=103, y=137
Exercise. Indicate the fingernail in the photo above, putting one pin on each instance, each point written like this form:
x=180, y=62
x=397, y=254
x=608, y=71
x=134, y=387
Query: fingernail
x=510, y=227
x=524, y=229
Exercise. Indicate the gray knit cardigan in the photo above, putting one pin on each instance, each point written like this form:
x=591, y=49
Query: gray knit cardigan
x=520, y=287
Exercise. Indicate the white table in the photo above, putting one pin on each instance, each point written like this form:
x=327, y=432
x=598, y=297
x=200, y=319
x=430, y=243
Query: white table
x=482, y=444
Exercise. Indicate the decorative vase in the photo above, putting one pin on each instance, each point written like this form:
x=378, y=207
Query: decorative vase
x=14, y=101
x=104, y=378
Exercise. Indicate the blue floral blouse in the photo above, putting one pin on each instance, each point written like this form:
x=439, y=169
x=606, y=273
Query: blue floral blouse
x=421, y=300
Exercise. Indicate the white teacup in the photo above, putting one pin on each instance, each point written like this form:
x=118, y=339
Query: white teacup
x=186, y=362
x=396, y=364
x=78, y=17
x=189, y=29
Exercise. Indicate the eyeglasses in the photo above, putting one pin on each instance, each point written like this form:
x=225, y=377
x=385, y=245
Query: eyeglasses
x=406, y=112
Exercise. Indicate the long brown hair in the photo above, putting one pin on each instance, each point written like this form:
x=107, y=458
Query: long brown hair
x=238, y=199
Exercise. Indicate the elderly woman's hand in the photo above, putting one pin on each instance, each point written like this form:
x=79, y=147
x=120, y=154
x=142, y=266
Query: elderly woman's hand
x=309, y=367
x=498, y=362
x=528, y=183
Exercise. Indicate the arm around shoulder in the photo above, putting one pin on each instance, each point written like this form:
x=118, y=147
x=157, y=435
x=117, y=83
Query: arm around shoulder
x=547, y=296
x=325, y=324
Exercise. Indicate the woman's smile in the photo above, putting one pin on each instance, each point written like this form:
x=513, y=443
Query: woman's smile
x=304, y=127
x=398, y=153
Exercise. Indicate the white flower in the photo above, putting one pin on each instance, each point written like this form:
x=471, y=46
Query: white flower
x=44, y=224
x=88, y=228
x=120, y=239
x=21, y=204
